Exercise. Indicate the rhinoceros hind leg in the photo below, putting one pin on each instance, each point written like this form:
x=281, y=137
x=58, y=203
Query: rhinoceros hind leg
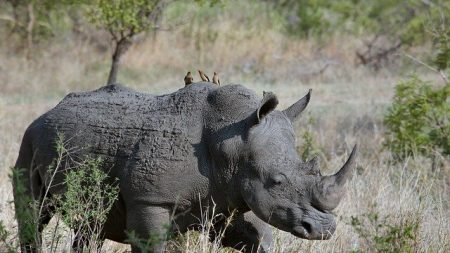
x=28, y=188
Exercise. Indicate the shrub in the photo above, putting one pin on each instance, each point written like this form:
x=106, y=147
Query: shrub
x=26, y=209
x=418, y=120
x=310, y=147
x=87, y=201
x=83, y=206
x=381, y=235
x=5, y=241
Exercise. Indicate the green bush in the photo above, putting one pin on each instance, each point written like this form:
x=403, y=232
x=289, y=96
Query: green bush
x=309, y=148
x=26, y=209
x=442, y=41
x=418, y=120
x=84, y=205
x=400, y=19
x=5, y=240
x=379, y=234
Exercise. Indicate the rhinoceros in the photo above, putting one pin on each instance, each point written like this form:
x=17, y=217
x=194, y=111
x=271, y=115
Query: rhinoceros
x=175, y=155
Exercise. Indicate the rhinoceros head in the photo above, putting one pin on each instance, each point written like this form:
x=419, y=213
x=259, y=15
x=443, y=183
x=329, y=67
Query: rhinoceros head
x=278, y=186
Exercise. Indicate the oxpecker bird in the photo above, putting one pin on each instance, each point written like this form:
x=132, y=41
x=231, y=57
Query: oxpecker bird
x=204, y=77
x=188, y=79
x=216, y=79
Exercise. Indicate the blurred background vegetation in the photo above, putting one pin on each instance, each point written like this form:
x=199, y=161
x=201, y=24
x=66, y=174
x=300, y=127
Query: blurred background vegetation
x=398, y=36
x=385, y=28
x=379, y=71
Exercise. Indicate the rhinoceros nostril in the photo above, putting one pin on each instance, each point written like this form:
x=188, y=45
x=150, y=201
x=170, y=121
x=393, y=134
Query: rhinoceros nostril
x=307, y=226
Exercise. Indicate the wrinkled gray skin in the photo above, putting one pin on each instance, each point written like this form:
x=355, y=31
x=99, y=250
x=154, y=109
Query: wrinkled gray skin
x=183, y=152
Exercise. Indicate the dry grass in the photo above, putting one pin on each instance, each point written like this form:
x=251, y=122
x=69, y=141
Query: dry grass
x=392, y=192
x=347, y=107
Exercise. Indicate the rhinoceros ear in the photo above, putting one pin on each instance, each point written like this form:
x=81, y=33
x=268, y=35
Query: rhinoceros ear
x=294, y=111
x=268, y=104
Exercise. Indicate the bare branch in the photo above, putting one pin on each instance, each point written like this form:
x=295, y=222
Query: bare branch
x=439, y=72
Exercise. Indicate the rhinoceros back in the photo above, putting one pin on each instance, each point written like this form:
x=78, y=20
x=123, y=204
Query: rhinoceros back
x=115, y=123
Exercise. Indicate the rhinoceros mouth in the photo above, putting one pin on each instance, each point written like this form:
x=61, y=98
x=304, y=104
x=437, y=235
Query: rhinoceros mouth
x=302, y=232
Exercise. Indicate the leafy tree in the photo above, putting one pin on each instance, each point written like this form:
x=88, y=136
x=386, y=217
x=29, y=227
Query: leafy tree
x=124, y=19
x=32, y=20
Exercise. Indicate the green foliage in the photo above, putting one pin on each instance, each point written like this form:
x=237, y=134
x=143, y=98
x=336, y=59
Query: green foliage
x=143, y=244
x=442, y=59
x=125, y=16
x=36, y=20
x=311, y=14
x=309, y=147
x=5, y=243
x=398, y=19
x=305, y=17
x=88, y=198
x=124, y=19
x=83, y=206
x=418, y=120
x=26, y=209
x=211, y=2
x=381, y=235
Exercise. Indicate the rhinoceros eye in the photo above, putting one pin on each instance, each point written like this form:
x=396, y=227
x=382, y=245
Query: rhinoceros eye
x=278, y=179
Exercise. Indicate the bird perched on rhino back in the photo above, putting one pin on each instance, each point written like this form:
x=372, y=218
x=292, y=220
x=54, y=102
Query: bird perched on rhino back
x=188, y=79
x=203, y=76
x=216, y=79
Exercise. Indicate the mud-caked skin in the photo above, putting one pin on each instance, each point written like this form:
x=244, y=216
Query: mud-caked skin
x=179, y=154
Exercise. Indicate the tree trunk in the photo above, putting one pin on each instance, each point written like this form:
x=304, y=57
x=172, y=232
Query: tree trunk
x=121, y=47
x=30, y=26
x=434, y=162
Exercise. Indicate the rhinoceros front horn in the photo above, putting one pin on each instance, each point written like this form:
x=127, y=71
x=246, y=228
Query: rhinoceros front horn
x=293, y=111
x=330, y=189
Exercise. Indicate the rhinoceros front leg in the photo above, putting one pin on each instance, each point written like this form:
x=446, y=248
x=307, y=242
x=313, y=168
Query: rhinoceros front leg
x=249, y=234
x=150, y=225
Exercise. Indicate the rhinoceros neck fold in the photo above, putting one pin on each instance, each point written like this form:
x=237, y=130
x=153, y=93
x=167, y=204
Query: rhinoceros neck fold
x=228, y=119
